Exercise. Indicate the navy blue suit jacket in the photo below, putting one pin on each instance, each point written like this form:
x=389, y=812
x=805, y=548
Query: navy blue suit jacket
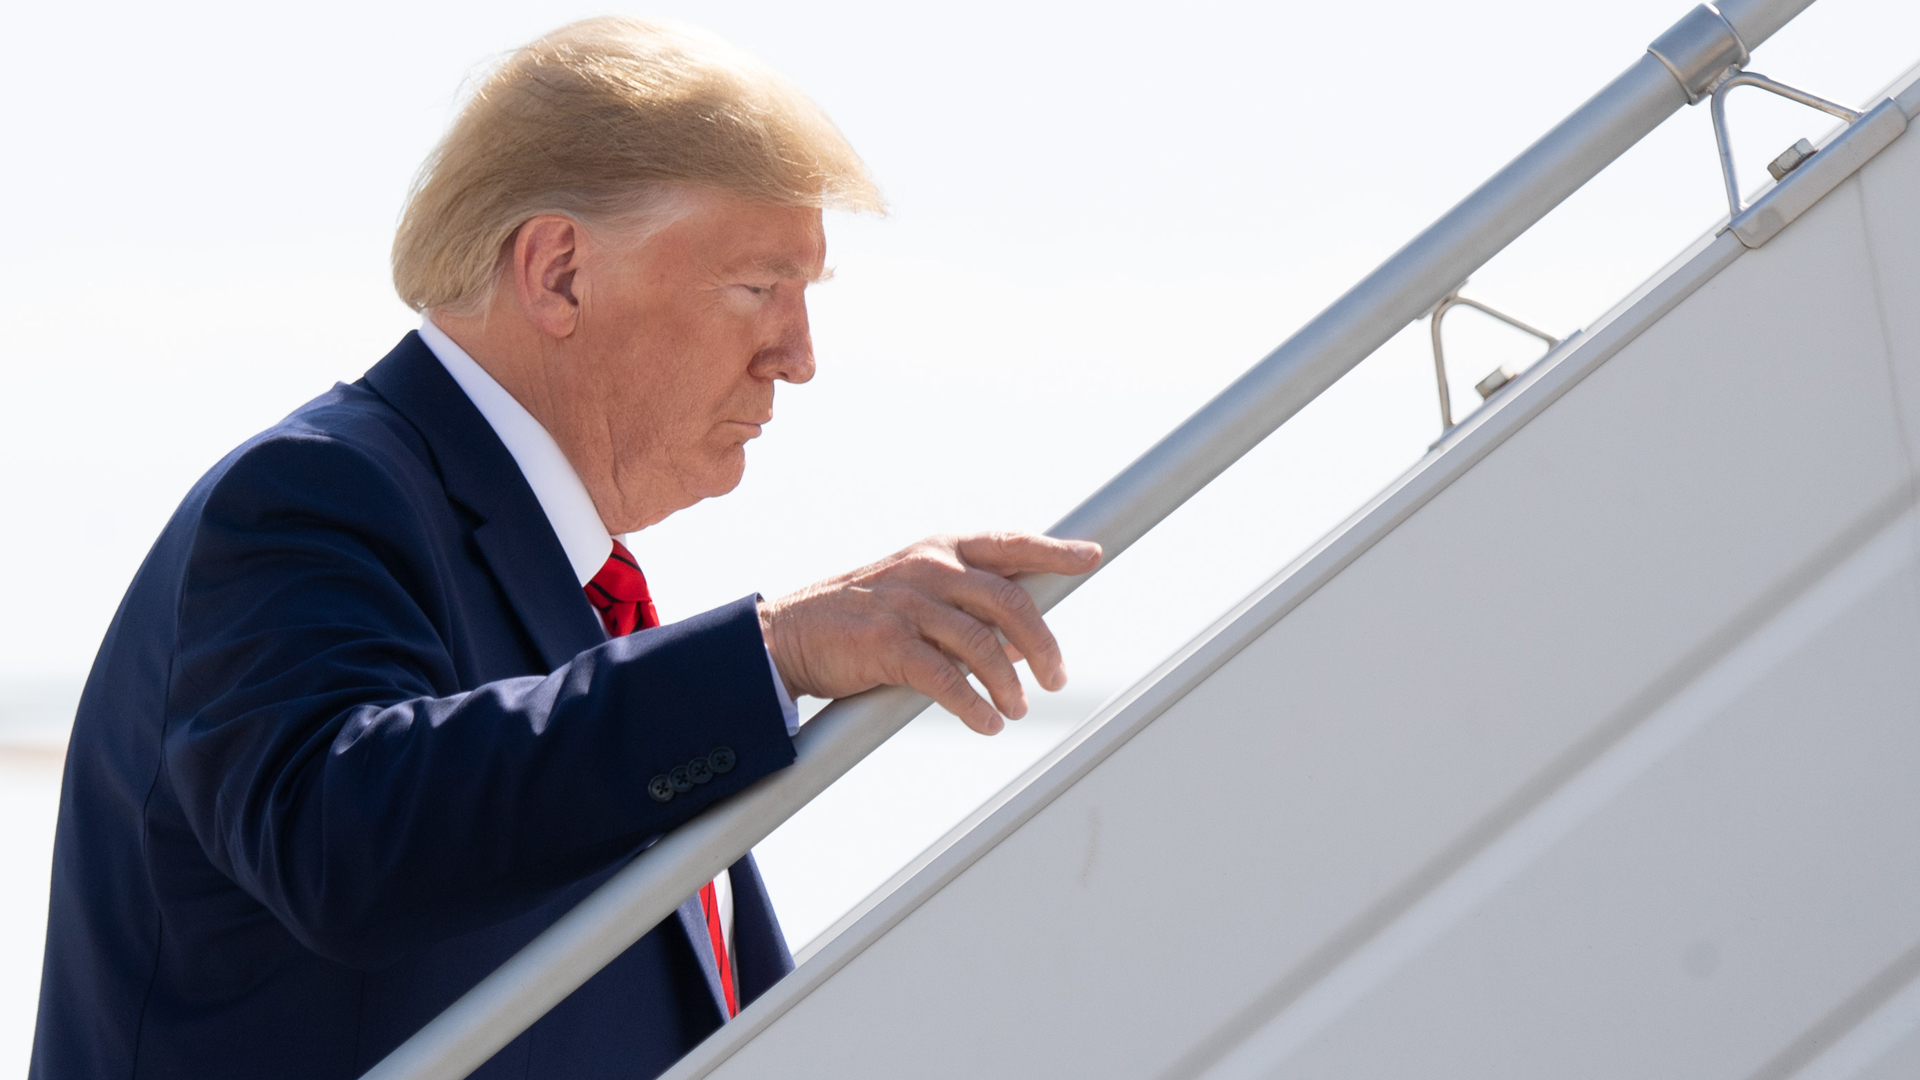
x=354, y=737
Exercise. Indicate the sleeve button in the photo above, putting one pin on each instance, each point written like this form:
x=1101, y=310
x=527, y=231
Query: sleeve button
x=678, y=779
x=660, y=788
x=699, y=770
x=722, y=760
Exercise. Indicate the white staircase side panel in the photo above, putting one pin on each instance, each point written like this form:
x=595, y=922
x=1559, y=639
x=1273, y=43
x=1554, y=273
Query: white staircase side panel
x=1742, y=882
x=1883, y=1047
x=1592, y=749
x=1887, y=194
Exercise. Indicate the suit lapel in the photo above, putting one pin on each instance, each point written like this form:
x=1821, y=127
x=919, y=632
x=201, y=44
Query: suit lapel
x=514, y=535
x=541, y=585
x=760, y=956
x=694, y=921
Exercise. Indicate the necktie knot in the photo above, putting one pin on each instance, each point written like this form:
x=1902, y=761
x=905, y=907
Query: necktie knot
x=619, y=593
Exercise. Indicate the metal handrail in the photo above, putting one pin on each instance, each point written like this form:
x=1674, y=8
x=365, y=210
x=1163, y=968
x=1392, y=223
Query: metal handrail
x=649, y=888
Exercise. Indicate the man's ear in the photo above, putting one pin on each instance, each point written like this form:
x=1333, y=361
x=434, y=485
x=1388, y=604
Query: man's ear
x=546, y=259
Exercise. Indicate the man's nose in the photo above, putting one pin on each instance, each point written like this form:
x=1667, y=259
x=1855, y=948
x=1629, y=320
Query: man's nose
x=789, y=357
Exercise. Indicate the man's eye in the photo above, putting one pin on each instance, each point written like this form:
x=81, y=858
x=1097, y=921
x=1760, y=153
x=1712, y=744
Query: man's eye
x=758, y=290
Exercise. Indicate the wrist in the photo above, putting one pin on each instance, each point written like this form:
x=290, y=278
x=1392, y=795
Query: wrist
x=771, y=636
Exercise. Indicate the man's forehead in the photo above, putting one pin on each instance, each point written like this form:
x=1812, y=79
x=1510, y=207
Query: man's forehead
x=785, y=267
x=784, y=243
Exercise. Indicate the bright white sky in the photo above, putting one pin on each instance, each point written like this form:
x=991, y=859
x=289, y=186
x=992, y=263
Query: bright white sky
x=1100, y=216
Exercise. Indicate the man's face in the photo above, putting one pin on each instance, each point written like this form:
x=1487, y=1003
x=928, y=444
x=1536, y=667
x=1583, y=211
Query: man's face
x=683, y=338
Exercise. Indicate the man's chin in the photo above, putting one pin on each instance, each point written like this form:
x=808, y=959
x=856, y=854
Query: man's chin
x=722, y=475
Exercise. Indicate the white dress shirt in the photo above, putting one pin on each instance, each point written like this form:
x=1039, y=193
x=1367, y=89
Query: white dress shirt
x=569, y=509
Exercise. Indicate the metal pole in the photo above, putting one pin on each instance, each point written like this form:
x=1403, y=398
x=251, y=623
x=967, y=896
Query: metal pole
x=648, y=889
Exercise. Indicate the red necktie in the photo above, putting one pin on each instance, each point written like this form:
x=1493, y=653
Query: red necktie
x=619, y=593
x=710, y=903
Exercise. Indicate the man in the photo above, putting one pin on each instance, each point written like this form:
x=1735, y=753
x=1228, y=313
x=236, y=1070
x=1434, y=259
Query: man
x=386, y=698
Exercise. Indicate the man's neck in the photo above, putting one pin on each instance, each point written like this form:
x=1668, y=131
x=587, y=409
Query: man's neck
x=557, y=487
x=540, y=374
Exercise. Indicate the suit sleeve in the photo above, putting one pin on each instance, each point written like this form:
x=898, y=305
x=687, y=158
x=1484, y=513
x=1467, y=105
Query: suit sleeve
x=329, y=762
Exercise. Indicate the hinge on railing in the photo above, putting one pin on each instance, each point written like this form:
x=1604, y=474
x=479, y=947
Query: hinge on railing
x=1700, y=49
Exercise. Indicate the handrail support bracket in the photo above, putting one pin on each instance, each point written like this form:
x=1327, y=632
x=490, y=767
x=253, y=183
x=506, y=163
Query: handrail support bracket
x=1707, y=57
x=1725, y=145
x=1489, y=385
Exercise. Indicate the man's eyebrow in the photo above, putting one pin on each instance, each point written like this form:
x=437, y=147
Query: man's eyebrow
x=787, y=269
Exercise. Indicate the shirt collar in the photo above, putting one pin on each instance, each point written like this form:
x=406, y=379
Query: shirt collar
x=570, y=510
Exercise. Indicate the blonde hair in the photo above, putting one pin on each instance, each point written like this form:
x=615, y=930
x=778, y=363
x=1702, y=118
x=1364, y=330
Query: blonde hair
x=607, y=121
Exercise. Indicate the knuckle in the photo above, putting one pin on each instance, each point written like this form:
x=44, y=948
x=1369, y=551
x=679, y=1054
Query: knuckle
x=994, y=545
x=923, y=662
x=945, y=679
x=925, y=560
x=1008, y=594
x=918, y=670
x=981, y=642
x=933, y=546
x=902, y=608
x=875, y=635
x=895, y=627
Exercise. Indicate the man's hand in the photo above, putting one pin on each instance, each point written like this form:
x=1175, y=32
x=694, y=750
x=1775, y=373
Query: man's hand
x=924, y=617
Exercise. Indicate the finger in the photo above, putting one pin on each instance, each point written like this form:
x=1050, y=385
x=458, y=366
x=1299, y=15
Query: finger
x=929, y=671
x=1008, y=553
x=975, y=645
x=1004, y=604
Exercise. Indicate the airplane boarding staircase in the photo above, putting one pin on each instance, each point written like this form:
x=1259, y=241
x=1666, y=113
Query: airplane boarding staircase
x=1674, y=831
